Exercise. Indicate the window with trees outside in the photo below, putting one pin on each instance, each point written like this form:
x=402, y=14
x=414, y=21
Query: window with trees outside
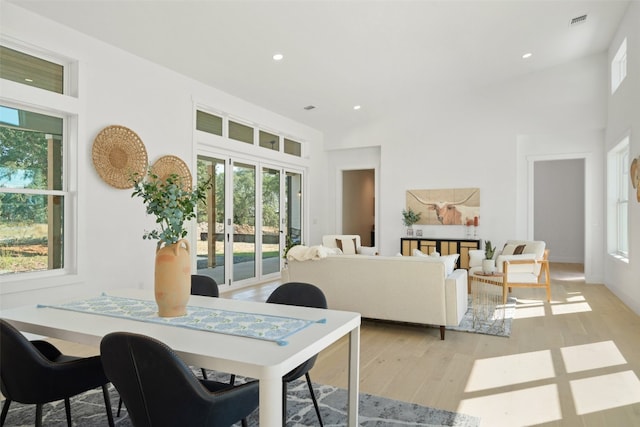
x=32, y=196
x=35, y=195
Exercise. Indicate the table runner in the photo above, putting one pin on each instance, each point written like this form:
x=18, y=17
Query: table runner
x=250, y=325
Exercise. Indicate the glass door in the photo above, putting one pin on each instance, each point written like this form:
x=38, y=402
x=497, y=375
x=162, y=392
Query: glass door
x=244, y=222
x=292, y=220
x=270, y=206
x=211, y=247
x=252, y=211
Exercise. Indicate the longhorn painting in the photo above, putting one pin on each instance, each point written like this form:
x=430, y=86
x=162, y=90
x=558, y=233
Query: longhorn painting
x=456, y=206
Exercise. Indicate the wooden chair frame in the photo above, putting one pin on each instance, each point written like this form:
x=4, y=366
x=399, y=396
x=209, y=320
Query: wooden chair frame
x=544, y=269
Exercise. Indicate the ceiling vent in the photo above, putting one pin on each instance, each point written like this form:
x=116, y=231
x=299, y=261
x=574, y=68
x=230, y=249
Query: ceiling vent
x=578, y=20
x=309, y=107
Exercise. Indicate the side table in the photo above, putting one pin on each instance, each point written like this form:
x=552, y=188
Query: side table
x=487, y=292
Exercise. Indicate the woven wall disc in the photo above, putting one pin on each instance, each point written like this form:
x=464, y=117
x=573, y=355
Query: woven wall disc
x=118, y=153
x=166, y=165
x=634, y=172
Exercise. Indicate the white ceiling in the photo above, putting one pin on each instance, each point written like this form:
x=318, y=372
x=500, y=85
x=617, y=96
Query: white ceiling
x=383, y=55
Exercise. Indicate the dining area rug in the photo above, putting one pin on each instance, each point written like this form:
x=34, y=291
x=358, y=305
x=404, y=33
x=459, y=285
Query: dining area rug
x=87, y=410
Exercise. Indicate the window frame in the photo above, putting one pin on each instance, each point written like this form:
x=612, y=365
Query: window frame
x=65, y=106
x=618, y=199
x=619, y=66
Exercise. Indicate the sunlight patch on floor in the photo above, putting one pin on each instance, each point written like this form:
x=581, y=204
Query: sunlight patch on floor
x=531, y=406
x=508, y=370
x=531, y=311
x=570, y=308
x=603, y=392
x=591, y=356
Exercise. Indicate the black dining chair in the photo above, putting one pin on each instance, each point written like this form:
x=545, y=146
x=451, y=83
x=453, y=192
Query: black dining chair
x=36, y=372
x=159, y=389
x=203, y=286
x=304, y=295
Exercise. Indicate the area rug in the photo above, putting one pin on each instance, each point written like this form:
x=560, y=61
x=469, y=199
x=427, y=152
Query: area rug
x=493, y=325
x=87, y=410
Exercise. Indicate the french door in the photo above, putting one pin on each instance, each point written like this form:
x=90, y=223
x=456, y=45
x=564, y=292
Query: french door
x=251, y=211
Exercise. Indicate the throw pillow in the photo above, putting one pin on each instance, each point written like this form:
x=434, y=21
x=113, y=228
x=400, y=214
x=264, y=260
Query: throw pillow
x=347, y=246
x=449, y=263
x=367, y=250
x=512, y=249
x=434, y=254
x=475, y=257
x=418, y=252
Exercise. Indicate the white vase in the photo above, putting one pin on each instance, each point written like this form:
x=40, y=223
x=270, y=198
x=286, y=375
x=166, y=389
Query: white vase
x=488, y=266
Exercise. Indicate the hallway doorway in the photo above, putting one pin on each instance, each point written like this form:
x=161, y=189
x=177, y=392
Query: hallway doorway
x=358, y=204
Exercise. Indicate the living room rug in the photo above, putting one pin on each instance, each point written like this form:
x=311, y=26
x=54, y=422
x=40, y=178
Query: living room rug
x=87, y=410
x=493, y=325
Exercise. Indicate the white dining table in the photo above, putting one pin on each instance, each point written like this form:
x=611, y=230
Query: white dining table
x=265, y=361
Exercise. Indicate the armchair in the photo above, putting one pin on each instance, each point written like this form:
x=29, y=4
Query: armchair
x=523, y=263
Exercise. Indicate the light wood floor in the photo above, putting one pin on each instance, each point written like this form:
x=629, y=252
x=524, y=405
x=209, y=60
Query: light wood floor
x=572, y=362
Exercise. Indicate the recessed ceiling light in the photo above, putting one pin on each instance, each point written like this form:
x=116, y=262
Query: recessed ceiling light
x=527, y=55
x=28, y=80
x=356, y=107
x=278, y=57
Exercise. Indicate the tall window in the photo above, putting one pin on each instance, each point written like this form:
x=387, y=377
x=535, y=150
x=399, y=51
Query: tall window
x=32, y=192
x=35, y=195
x=618, y=196
x=619, y=66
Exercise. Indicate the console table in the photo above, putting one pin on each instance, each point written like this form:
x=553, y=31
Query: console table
x=443, y=246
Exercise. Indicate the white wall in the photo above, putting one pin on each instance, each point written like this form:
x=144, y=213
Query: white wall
x=156, y=103
x=559, y=208
x=623, y=278
x=473, y=141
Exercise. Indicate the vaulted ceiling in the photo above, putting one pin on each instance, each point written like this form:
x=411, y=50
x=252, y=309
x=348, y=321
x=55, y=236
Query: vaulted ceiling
x=382, y=55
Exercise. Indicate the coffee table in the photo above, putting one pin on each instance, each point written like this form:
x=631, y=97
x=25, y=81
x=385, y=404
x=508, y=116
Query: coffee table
x=487, y=293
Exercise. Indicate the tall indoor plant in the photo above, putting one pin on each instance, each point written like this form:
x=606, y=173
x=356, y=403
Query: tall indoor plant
x=173, y=204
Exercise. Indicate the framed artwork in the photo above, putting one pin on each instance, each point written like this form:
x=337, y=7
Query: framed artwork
x=634, y=174
x=455, y=206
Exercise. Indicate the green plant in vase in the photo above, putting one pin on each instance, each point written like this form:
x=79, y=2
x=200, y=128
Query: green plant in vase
x=173, y=204
x=410, y=217
x=170, y=202
x=488, y=264
x=489, y=250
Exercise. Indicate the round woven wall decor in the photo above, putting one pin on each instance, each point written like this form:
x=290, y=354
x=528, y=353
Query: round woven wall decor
x=118, y=153
x=167, y=165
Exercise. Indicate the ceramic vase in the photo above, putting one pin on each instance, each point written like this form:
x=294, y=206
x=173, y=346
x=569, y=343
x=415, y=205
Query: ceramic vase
x=488, y=266
x=173, y=279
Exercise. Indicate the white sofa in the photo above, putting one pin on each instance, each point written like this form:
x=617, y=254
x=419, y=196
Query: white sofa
x=402, y=289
